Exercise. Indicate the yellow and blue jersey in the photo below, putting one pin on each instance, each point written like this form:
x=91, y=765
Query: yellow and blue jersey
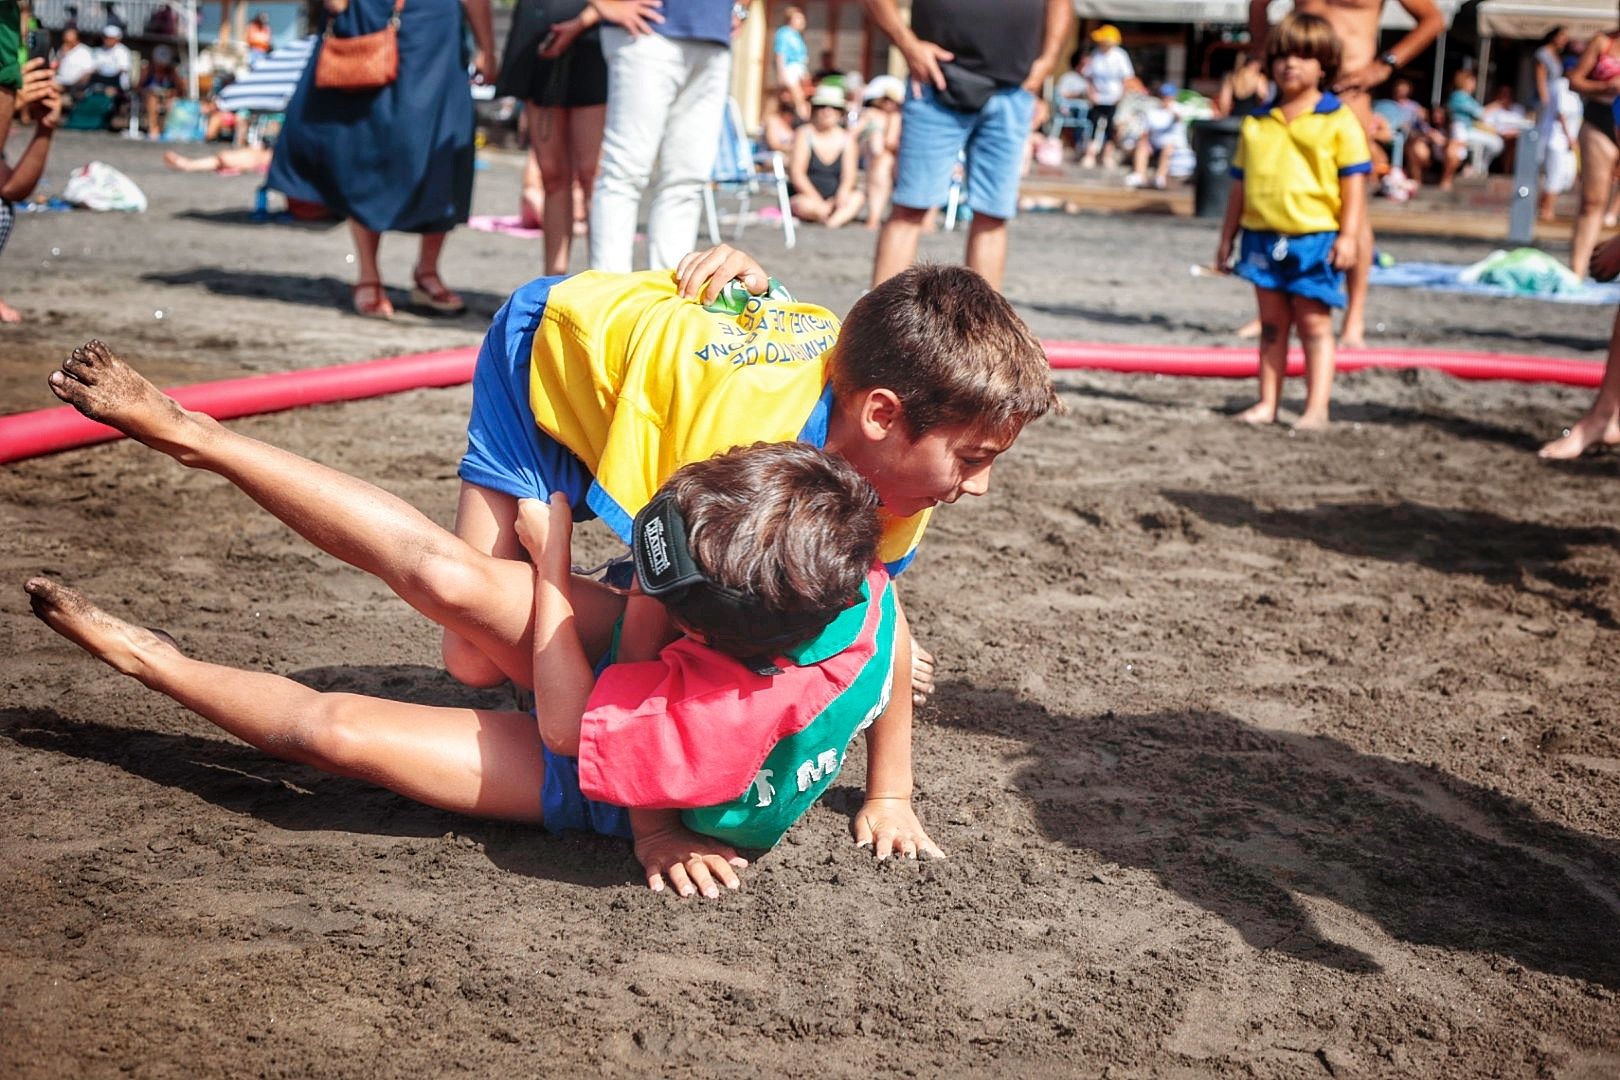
x=636, y=381
x=1291, y=170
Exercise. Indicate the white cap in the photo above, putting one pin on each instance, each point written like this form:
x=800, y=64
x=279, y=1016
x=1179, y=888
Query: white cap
x=113, y=30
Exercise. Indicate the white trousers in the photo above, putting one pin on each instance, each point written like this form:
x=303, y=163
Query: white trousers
x=666, y=107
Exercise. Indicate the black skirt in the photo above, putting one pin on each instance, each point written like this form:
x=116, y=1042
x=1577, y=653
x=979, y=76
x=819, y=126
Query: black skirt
x=576, y=78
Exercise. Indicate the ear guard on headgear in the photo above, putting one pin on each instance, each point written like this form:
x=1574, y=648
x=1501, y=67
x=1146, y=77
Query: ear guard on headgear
x=668, y=573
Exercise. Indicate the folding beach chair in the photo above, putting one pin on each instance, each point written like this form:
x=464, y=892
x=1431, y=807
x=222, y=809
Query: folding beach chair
x=742, y=169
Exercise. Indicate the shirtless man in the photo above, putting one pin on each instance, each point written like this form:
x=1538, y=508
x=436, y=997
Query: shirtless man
x=1361, y=70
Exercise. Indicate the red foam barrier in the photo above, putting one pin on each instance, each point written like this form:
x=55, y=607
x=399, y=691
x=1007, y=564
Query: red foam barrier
x=1229, y=362
x=46, y=431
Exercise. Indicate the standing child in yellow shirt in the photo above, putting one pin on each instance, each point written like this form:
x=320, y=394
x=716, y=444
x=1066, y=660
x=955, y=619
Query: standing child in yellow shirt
x=1299, y=190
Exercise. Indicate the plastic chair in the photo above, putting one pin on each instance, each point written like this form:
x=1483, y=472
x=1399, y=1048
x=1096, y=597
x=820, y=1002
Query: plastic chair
x=1071, y=113
x=742, y=169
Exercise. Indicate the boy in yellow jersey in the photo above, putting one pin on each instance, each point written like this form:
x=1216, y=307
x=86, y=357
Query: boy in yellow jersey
x=1299, y=190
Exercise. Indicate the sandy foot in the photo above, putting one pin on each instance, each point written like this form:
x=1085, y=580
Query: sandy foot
x=124, y=647
x=103, y=387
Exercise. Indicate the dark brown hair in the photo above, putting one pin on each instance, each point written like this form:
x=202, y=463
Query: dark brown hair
x=785, y=523
x=950, y=347
x=1308, y=36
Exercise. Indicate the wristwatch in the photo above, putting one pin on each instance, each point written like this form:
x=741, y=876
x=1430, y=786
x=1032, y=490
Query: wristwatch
x=1391, y=61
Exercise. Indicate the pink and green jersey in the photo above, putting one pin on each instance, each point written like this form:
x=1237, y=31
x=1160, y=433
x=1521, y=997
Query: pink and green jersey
x=698, y=728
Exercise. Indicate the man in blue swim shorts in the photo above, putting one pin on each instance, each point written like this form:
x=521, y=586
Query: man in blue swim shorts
x=976, y=66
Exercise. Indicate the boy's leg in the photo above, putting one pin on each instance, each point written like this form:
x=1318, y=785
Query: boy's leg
x=1601, y=424
x=1315, y=322
x=485, y=520
x=1276, y=318
x=487, y=600
x=478, y=762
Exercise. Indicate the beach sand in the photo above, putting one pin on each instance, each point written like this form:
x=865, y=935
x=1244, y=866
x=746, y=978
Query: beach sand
x=1256, y=754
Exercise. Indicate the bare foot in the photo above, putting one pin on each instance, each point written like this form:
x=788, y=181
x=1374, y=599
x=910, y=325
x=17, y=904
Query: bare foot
x=1352, y=341
x=1311, y=422
x=104, y=388
x=126, y=648
x=9, y=314
x=1588, y=433
x=1258, y=413
x=1250, y=329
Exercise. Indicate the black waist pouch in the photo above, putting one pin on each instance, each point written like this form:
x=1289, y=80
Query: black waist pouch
x=965, y=91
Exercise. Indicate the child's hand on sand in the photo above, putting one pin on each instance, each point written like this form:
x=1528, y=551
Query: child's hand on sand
x=690, y=863
x=1343, y=255
x=546, y=532
x=1223, y=256
x=889, y=826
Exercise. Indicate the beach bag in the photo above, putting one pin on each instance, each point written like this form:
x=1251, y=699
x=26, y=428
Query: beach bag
x=361, y=63
x=99, y=186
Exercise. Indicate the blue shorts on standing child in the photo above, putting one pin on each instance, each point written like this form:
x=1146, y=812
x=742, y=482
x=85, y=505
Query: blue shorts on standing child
x=1295, y=265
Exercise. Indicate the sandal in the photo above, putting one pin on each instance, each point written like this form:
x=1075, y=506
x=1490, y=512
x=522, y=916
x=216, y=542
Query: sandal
x=379, y=307
x=430, y=292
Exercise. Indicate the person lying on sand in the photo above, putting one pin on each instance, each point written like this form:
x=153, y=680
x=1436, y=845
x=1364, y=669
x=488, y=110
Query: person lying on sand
x=726, y=738
x=1600, y=426
x=598, y=385
x=236, y=159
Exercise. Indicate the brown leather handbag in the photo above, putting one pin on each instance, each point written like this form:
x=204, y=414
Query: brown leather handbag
x=358, y=64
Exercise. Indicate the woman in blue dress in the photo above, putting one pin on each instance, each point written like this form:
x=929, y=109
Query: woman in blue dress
x=398, y=159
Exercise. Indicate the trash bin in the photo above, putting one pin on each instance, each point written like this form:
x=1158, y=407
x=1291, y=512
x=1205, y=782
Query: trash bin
x=1214, y=142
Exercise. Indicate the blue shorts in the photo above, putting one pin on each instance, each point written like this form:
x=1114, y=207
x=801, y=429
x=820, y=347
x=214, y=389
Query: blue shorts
x=506, y=450
x=563, y=807
x=1296, y=265
x=931, y=137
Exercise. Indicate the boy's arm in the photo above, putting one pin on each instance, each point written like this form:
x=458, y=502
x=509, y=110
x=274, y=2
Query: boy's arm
x=690, y=861
x=562, y=672
x=701, y=275
x=1353, y=209
x=666, y=849
x=887, y=821
x=1229, y=226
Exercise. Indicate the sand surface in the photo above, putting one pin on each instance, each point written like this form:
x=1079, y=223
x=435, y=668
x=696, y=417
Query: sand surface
x=1255, y=754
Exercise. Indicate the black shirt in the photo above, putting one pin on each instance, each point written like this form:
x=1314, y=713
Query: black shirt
x=998, y=38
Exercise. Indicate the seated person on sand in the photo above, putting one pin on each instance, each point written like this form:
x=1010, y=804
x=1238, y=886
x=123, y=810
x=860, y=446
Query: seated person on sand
x=1599, y=427
x=824, y=167
x=1469, y=136
x=878, y=131
x=779, y=127
x=160, y=83
x=75, y=63
x=726, y=738
x=603, y=384
x=1162, y=133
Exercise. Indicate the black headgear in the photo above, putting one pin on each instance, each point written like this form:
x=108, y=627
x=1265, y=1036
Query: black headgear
x=668, y=572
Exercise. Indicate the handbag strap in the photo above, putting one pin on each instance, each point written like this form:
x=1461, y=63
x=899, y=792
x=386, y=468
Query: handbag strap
x=393, y=19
